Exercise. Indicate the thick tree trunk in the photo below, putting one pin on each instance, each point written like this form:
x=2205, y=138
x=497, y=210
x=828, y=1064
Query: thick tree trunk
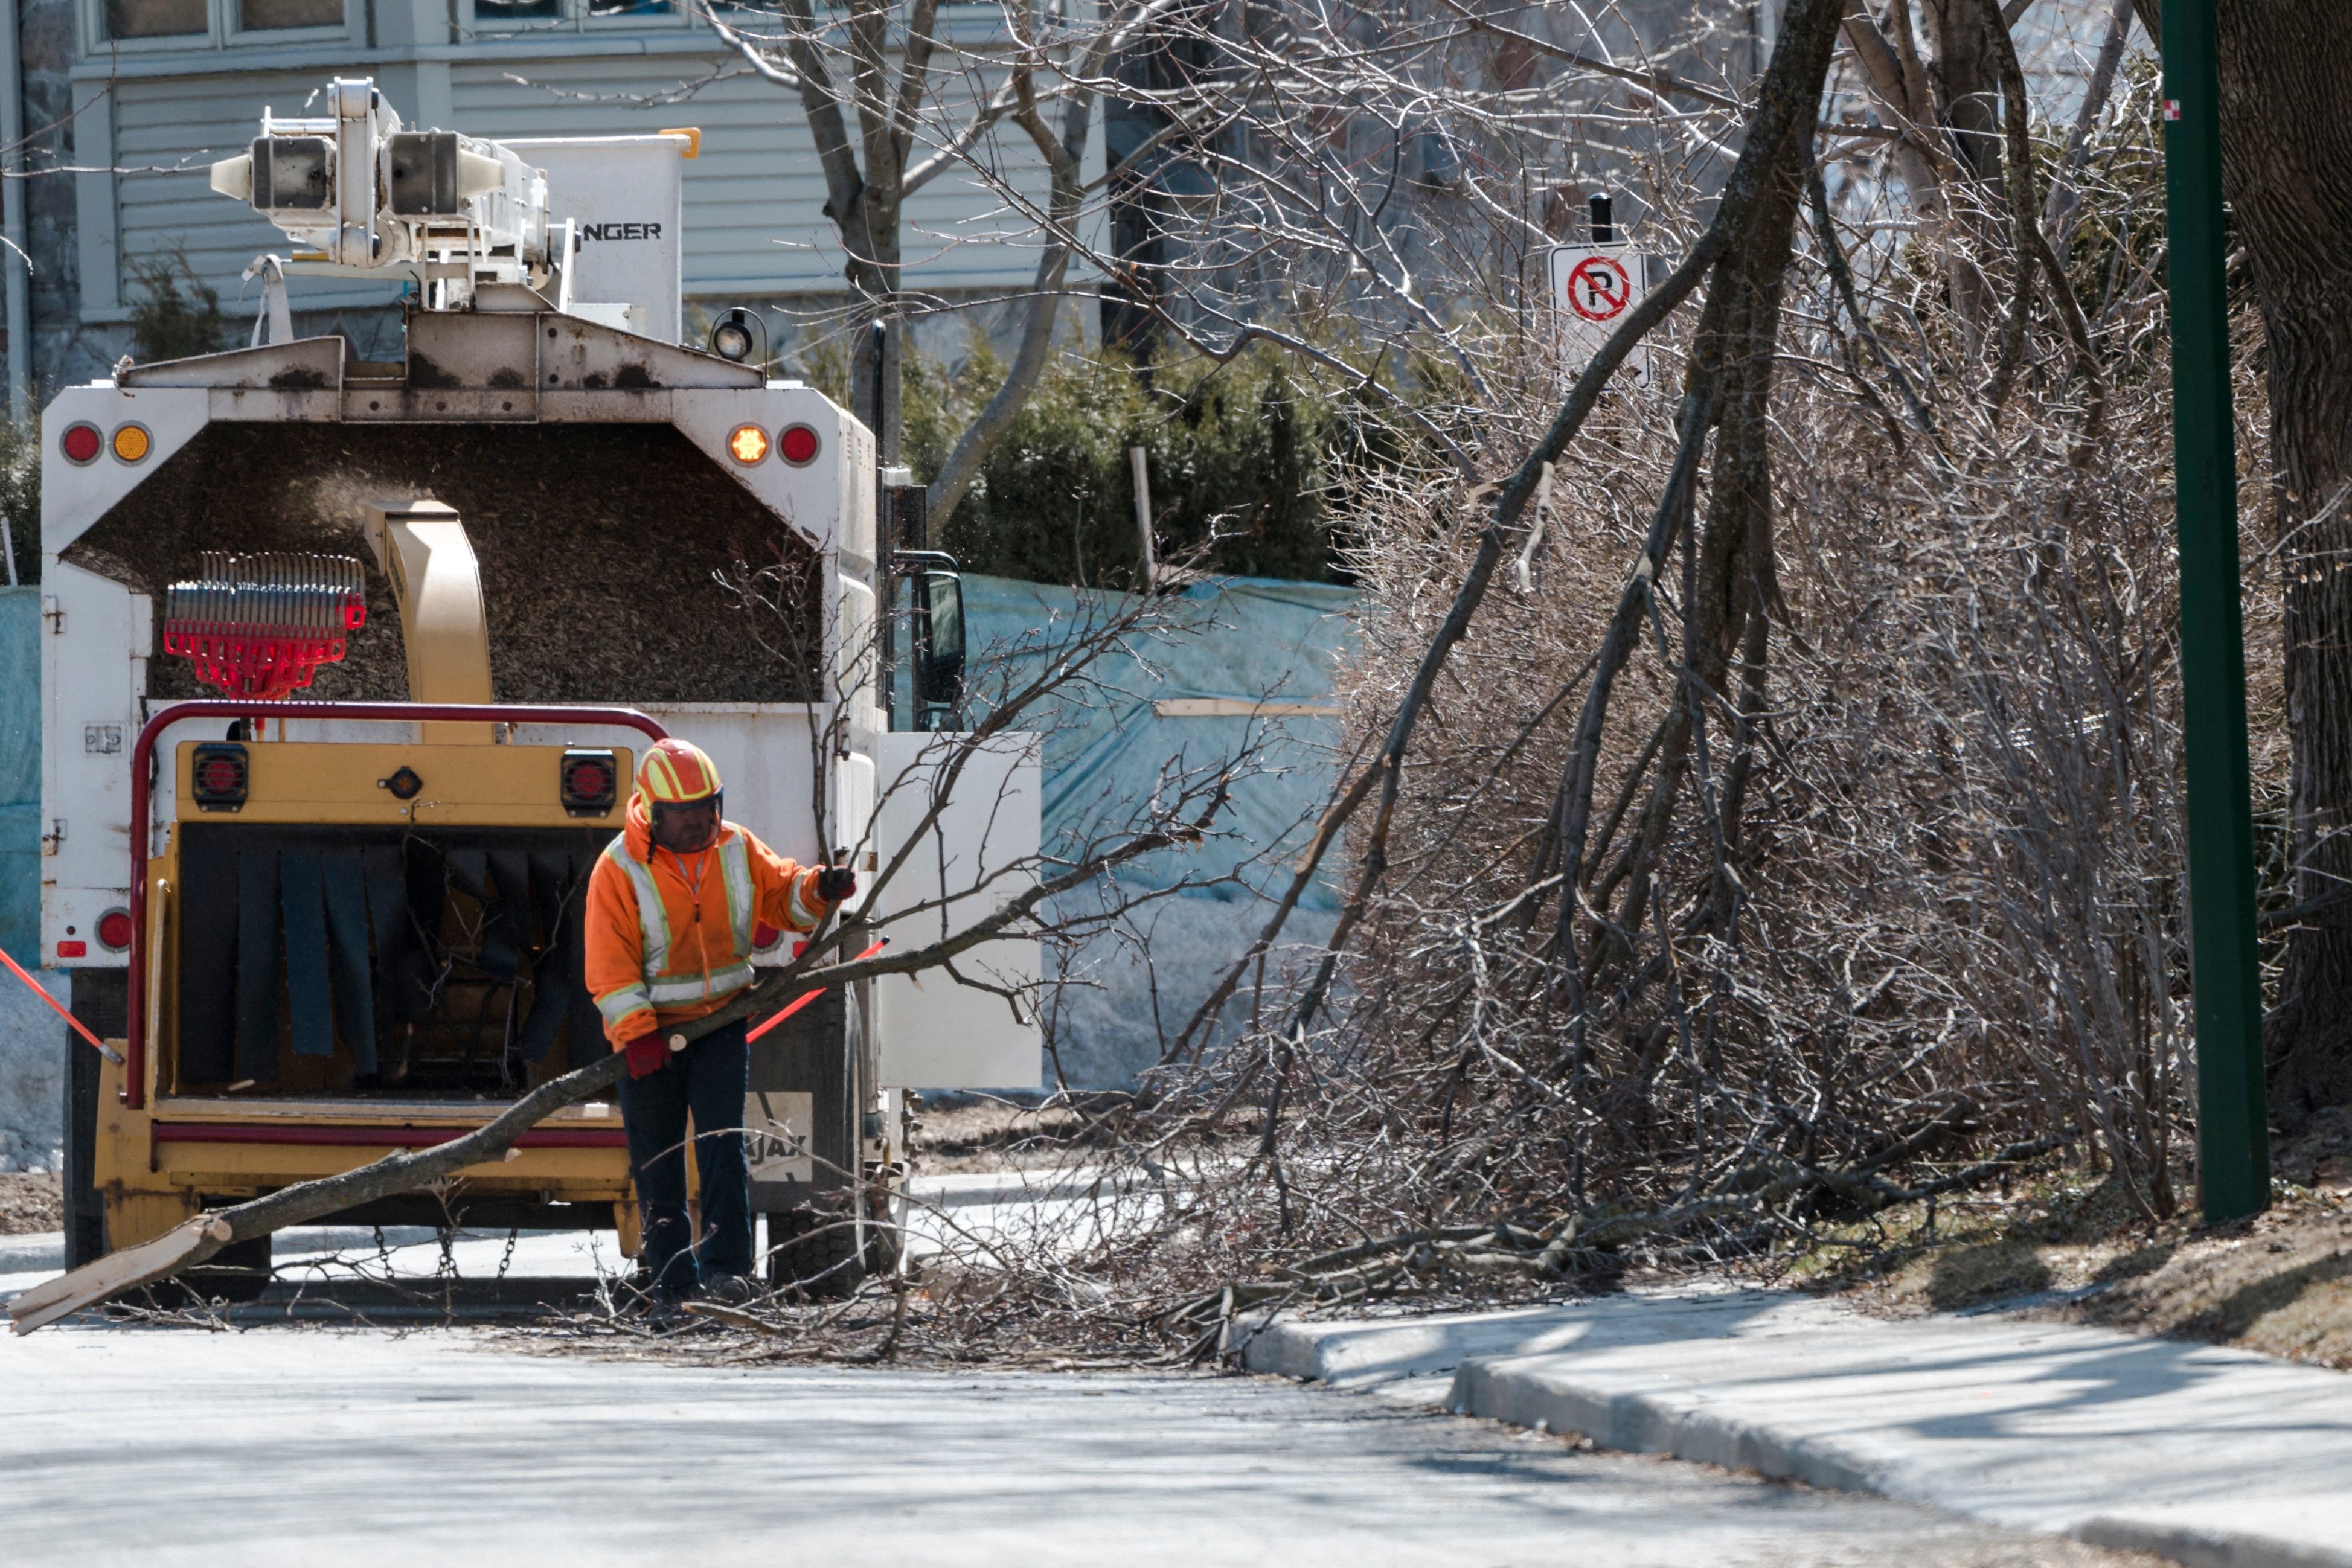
x=2286, y=144
x=1967, y=90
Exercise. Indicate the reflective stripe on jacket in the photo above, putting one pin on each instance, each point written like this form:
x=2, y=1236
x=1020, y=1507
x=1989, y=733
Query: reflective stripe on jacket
x=661, y=950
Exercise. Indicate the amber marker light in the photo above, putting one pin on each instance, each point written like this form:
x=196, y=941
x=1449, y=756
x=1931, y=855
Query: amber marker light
x=749, y=444
x=132, y=443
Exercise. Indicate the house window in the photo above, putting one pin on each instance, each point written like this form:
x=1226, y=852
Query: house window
x=155, y=18
x=519, y=15
x=276, y=16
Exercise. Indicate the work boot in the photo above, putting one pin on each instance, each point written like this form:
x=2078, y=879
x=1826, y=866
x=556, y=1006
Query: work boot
x=730, y=1289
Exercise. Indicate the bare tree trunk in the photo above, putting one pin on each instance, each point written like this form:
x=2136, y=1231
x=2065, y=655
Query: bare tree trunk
x=1943, y=102
x=884, y=109
x=1966, y=84
x=1064, y=153
x=2287, y=143
x=2064, y=204
x=1726, y=623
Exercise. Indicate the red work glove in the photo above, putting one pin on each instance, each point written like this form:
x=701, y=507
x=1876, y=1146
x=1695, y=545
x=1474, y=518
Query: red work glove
x=646, y=1053
x=836, y=882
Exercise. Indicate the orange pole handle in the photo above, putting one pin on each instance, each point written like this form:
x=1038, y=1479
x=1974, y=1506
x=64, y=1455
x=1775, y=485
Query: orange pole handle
x=797, y=1003
x=80, y=1028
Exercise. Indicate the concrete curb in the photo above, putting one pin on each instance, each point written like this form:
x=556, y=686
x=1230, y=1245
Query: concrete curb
x=1618, y=1393
x=2206, y=1548
x=1655, y=1424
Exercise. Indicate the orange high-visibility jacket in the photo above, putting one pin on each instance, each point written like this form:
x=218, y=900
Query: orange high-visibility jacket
x=659, y=952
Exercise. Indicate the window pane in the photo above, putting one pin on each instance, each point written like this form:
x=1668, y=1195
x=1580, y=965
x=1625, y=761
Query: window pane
x=630, y=7
x=269, y=16
x=503, y=13
x=153, y=19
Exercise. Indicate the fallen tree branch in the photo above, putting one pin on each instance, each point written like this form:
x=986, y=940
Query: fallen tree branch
x=305, y=1202
x=1589, y=1238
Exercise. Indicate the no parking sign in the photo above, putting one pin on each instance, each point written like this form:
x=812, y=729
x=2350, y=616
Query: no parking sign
x=1592, y=287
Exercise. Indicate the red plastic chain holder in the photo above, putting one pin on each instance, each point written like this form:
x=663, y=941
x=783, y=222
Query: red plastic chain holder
x=142, y=754
x=259, y=626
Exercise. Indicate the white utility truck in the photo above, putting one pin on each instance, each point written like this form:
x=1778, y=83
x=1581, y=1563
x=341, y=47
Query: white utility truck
x=316, y=834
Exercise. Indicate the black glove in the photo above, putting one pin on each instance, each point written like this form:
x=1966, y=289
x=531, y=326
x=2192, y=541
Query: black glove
x=836, y=882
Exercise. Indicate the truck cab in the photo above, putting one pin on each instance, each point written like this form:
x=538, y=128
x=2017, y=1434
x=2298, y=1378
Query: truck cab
x=346, y=668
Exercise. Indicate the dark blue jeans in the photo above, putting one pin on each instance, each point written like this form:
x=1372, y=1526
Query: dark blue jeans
x=707, y=1078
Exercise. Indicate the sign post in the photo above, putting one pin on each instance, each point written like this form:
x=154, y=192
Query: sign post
x=1593, y=286
x=2233, y=1165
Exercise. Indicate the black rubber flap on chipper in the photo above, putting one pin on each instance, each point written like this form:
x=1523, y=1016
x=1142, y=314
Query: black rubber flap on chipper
x=256, y=964
x=558, y=886
x=344, y=878
x=310, y=995
x=508, y=930
x=345, y=927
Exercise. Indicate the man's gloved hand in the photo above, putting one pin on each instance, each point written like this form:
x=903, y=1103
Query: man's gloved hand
x=647, y=1053
x=836, y=882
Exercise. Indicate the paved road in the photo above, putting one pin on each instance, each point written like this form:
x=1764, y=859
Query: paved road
x=451, y=1447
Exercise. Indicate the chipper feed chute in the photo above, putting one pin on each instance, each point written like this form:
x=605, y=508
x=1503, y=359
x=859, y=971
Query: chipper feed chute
x=261, y=625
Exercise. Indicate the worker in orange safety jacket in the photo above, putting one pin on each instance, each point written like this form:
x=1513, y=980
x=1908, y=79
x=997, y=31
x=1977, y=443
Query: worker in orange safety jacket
x=676, y=905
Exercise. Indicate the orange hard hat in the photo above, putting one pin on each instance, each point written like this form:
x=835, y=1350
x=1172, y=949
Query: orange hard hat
x=677, y=773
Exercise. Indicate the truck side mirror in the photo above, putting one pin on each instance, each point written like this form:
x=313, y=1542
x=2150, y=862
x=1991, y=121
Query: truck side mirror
x=939, y=666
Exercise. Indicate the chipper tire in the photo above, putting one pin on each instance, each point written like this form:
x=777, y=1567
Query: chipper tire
x=100, y=1001
x=815, y=1253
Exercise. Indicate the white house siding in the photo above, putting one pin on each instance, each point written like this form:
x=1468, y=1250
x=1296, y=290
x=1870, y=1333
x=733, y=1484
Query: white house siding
x=754, y=199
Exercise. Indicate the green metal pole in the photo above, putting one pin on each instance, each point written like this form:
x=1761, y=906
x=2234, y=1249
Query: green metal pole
x=2232, y=1124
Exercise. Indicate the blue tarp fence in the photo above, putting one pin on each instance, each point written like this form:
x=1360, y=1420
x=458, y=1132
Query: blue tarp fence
x=20, y=772
x=1114, y=743
x=31, y=1038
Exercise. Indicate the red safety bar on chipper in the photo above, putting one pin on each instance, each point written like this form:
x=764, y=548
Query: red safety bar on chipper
x=134, y=1085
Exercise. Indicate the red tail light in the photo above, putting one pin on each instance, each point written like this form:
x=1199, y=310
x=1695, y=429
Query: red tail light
x=797, y=444
x=218, y=777
x=114, y=929
x=590, y=782
x=81, y=444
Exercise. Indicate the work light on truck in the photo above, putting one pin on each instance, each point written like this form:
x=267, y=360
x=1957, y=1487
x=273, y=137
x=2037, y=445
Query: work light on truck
x=291, y=174
x=590, y=779
x=732, y=338
x=217, y=776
